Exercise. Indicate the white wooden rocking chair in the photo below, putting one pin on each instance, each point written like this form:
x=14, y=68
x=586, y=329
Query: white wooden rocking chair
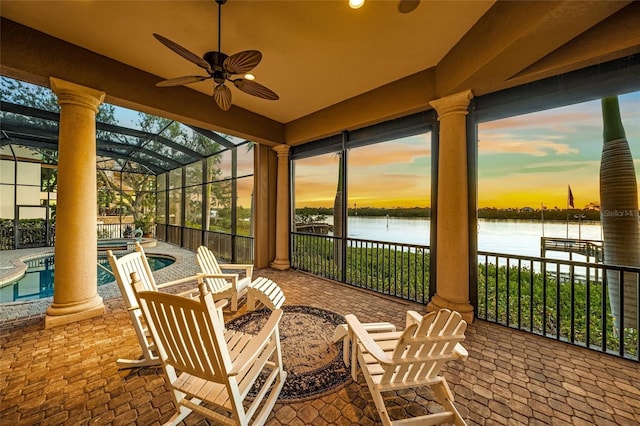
x=204, y=363
x=221, y=284
x=410, y=359
x=122, y=269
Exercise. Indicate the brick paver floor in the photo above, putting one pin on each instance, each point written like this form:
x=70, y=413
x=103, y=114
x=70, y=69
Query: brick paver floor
x=67, y=375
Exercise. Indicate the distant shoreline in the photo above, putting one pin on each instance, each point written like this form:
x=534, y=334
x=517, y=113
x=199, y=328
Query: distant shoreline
x=483, y=213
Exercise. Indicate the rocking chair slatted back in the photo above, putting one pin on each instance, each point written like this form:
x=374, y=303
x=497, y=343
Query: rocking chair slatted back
x=204, y=363
x=208, y=263
x=190, y=342
x=136, y=262
x=122, y=269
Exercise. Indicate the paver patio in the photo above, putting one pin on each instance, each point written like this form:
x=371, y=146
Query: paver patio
x=67, y=375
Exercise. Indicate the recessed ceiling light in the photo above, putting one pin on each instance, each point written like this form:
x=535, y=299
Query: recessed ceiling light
x=356, y=4
x=249, y=77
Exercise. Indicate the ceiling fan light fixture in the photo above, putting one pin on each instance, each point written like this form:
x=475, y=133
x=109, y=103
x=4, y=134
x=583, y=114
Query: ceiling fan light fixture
x=356, y=4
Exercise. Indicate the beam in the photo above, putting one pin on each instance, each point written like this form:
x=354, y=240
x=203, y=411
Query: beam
x=512, y=36
x=32, y=56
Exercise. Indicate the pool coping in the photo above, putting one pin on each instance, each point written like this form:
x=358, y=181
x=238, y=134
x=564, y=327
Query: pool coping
x=19, y=267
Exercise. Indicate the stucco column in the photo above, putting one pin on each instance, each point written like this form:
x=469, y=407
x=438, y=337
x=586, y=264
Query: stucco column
x=75, y=294
x=281, y=262
x=452, y=260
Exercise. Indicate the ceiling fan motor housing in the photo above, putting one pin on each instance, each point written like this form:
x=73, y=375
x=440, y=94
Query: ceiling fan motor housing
x=216, y=61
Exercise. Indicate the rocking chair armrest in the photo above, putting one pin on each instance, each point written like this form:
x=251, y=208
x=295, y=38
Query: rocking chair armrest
x=460, y=352
x=257, y=344
x=220, y=304
x=356, y=327
x=191, y=293
x=179, y=281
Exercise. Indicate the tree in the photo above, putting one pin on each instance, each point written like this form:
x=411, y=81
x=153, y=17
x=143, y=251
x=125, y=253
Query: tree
x=337, y=215
x=619, y=213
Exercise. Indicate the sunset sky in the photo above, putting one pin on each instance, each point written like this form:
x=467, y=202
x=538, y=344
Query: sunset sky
x=530, y=159
x=522, y=161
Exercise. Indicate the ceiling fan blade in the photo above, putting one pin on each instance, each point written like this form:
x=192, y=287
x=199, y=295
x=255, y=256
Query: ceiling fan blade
x=242, y=62
x=406, y=6
x=189, y=56
x=222, y=96
x=255, y=89
x=179, y=81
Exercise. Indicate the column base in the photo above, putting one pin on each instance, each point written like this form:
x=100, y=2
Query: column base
x=65, y=314
x=280, y=265
x=465, y=309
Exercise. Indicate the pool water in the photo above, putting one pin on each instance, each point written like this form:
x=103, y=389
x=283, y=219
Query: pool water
x=37, y=283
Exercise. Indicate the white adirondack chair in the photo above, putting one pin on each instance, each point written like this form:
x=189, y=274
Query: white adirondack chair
x=410, y=359
x=204, y=363
x=220, y=284
x=122, y=269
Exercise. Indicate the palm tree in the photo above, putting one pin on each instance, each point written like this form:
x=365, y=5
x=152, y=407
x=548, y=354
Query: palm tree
x=619, y=213
x=337, y=217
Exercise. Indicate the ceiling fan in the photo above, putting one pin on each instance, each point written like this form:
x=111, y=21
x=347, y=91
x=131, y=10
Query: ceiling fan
x=221, y=68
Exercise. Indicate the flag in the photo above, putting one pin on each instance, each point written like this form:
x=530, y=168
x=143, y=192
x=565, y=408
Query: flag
x=570, y=197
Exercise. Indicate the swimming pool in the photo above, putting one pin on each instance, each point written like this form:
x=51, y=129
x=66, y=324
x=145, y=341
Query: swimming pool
x=37, y=283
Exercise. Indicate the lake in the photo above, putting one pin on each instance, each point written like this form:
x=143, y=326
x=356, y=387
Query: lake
x=520, y=237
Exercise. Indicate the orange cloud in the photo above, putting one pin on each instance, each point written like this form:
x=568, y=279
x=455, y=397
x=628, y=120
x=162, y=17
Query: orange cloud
x=503, y=144
x=557, y=120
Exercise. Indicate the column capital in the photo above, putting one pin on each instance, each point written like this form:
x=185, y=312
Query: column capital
x=455, y=104
x=282, y=150
x=75, y=94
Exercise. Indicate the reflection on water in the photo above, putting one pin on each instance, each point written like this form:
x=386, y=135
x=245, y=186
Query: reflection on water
x=519, y=237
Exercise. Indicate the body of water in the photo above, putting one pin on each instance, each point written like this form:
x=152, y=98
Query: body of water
x=37, y=283
x=519, y=237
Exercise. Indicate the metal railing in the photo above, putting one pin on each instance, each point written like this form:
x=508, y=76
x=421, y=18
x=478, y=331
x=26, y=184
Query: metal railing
x=395, y=269
x=233, y=248
x=564, y=300
x=115, y=230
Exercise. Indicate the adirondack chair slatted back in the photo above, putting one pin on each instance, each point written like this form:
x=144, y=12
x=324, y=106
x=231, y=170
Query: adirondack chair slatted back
x=191, y=341
x=424, y=348
x=209, y=265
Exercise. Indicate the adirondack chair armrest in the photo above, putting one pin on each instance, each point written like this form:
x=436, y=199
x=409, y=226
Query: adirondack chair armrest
x=356, y=327
x=460, y=352
x=248, y=268
x=257, y=344
x=232, y=277
x=412, y=318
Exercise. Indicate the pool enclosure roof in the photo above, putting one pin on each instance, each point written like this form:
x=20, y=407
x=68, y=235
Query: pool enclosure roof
x=134, y=141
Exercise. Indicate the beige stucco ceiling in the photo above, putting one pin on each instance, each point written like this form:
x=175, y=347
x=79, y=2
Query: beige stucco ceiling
x=334, y=68
x=315, y=53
